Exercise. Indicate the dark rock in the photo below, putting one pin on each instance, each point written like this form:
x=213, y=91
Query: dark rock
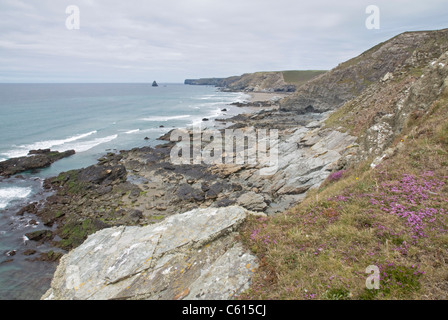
x=102, y=190
x=102, y=174
x=38, y=159
x=40, y=151
x=146, y=138
x=134, y=216
x=185, y=192
x=214, y=191
x=224, y=203
x=41, y=235
x=224, y=110
x=154, y=84
x=50, y=256
x=29, y=252
x=168, y=166
x=205, y=119
x=31, y=208
x=205, y=187
x=11, y=253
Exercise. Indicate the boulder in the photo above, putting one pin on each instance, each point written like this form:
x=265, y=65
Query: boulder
x=102, y=174
x=252, y=201
x=193, y=255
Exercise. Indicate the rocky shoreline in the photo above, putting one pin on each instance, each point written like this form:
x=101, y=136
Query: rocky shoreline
x=141, y=188
x=138, y=226
x=36, y=159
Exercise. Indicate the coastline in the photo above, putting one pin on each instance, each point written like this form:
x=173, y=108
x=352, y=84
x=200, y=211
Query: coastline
x=44, y=245
x=143, y=191
x=142, y=187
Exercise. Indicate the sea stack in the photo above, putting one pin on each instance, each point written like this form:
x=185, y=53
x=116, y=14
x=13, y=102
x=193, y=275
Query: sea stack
x=154, y=84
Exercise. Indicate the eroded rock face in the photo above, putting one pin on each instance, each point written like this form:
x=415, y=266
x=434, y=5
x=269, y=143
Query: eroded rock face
x=187, y=256
x=378, y=64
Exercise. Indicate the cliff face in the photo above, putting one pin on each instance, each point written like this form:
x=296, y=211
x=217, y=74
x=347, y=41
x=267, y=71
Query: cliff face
x=405, y=53
x=281, y=81
x=259, y=81
x=391, y=105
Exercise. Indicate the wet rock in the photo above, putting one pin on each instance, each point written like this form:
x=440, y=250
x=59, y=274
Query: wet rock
x=40, y=235
x=11, y=253
x=50, y=256
x=37, y=159
x=31, y=208
x=29, y=252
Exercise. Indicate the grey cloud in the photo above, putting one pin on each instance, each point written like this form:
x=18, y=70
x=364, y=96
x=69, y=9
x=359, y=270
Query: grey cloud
x=136, y=40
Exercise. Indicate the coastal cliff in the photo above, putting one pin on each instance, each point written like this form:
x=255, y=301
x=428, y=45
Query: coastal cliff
x=353, y=188
x=281, y=81
x=405, y=54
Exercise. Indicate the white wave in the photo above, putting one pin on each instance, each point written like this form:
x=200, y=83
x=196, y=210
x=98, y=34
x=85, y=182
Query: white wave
x=207, y=97
x=3, y=159
x=87, y=145
x=242, y=97
x=156, y=130
x=212, y=115
x=22, y=150
x=162, y=118
x=9, y=194
x=132, y=131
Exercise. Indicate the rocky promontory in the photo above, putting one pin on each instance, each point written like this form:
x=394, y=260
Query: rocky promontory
x=36, y=159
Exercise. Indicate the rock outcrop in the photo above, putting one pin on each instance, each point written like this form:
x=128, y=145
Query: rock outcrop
x=36, y=159
x=379, y=115
x=192, y=255
x=399, y=54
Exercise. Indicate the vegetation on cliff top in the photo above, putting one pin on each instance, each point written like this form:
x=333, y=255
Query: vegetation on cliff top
x=393, y=216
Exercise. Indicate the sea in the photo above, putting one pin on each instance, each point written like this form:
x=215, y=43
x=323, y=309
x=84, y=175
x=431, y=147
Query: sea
x=92, y=119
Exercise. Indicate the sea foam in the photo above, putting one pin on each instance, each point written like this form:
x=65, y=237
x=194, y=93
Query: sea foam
x=163, y=118
x=22, y=150
x=13, y=193
x=87, y=145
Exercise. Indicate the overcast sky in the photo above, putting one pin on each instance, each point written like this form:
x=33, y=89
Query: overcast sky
x=170, y=40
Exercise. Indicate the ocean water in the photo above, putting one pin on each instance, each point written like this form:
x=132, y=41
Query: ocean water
x=92, y=119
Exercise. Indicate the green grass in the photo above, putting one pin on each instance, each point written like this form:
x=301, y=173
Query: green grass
x=74, y=233
x=300, y=77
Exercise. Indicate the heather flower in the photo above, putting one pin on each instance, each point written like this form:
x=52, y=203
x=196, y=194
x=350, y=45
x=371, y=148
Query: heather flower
x=335, y=176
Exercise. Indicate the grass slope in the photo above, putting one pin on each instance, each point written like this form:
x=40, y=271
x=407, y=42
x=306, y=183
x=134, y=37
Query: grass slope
x=300, y=77
x=394, y=216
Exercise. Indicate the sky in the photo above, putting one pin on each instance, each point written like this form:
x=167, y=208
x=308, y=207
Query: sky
x=171, y=40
